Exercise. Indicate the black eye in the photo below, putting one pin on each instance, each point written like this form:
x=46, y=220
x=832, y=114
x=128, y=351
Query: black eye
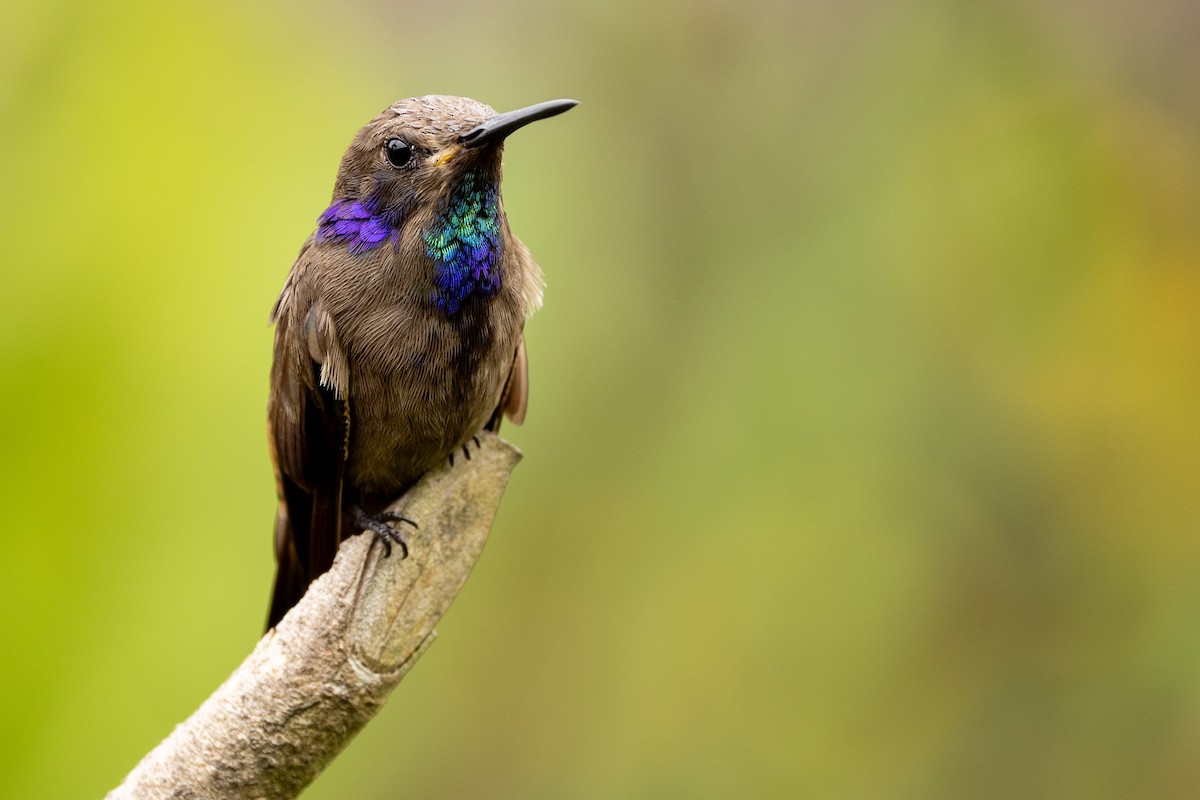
x=399, y=152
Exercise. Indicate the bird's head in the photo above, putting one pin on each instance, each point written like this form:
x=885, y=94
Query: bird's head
x=424, y=176
x=418, y=149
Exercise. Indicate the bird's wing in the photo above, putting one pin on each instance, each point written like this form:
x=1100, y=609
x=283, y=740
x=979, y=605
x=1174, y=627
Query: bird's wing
x=516, y=397
x=308, y=421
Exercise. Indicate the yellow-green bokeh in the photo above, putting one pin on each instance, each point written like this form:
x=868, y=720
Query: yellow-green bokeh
x=863, y=453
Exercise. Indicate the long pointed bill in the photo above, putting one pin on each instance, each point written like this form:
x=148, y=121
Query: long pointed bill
x=501, y=125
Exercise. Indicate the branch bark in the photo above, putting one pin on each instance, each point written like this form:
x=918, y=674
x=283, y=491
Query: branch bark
x=314, y=682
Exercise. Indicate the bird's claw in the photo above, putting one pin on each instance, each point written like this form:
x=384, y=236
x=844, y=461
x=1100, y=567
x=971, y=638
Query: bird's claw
x=466, y=449
x=385, y=532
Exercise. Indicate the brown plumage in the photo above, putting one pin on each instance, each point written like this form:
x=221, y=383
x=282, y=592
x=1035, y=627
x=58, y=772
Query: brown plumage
x=389, y=353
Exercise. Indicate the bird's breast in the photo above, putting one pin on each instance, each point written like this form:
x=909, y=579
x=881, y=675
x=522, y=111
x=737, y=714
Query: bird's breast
x=422, y=383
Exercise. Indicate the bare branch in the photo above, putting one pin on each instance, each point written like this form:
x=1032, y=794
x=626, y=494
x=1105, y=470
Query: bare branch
x=327, y=668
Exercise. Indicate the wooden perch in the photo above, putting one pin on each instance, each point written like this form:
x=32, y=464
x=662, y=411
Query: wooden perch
x=314, y=681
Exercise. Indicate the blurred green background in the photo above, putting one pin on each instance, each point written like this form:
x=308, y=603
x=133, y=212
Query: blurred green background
x=863, y=454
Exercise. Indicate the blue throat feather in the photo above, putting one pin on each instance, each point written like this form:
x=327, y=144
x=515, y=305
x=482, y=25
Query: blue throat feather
x=464, y=243
x=464, y=240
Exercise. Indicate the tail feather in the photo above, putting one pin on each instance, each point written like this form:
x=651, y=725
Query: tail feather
x=290, y=579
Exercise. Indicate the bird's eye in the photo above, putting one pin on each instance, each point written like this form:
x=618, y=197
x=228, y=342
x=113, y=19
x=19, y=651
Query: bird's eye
x=399, y=152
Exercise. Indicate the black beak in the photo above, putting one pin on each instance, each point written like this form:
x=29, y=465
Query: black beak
x=501, y=125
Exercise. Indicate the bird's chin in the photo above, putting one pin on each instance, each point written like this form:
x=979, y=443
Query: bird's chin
x=458, y=159
x=447, y=156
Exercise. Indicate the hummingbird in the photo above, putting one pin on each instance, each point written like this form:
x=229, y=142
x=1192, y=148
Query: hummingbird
x=399, y=333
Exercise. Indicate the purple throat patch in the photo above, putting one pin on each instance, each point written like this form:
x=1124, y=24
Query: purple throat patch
x=355, y=223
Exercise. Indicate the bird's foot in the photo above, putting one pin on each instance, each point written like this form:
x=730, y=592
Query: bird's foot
x=466, y=449
x=385, y=532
